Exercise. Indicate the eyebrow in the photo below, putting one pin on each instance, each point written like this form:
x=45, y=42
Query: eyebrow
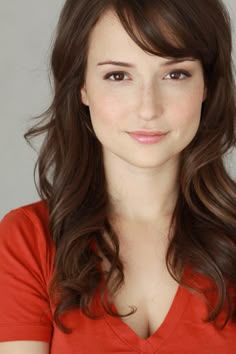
x=129, y=65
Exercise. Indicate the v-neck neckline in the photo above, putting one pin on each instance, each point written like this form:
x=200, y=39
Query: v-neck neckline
x=153, y=342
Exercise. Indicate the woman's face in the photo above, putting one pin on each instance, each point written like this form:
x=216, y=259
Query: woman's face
x=149, y=94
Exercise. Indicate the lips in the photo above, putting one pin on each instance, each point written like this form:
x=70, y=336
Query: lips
x=147, y=137
x=148, y=133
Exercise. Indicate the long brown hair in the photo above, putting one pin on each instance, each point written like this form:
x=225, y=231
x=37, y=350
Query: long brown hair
x=72, y=180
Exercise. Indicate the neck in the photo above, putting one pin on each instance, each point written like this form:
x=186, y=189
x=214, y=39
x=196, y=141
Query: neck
x=139, y=194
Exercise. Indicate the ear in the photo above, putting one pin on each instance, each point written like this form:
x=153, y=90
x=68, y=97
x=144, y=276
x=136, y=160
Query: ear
x=84, y=96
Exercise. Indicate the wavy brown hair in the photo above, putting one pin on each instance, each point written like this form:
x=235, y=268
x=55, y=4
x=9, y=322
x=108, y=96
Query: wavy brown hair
x=72, y=180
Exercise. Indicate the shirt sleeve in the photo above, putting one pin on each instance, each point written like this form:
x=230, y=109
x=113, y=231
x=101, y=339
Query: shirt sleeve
x=25, y=312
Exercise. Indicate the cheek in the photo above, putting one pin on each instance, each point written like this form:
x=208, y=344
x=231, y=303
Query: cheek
x=187, y=112
x=185, y=119
x=106, y=111
x=105, y=116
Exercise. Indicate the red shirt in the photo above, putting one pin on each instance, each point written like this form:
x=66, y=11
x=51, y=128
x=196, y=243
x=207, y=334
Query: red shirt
x=26, y=255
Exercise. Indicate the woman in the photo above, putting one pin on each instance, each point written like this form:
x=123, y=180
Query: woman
x=132, y=247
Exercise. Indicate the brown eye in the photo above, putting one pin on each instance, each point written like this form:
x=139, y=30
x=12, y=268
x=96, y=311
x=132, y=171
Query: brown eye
x=117, y=76
x=176, y=75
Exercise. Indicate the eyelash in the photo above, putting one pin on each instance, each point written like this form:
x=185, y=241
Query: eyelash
x=107, y=76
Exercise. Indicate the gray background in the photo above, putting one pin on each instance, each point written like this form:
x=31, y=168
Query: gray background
x=26, y=33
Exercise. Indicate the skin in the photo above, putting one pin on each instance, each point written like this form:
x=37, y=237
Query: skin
x=142, y=179
x=146, y=99
x=24, y=347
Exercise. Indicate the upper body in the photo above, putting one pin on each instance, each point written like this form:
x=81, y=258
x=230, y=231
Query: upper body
x=132, y=160
x=174, y=318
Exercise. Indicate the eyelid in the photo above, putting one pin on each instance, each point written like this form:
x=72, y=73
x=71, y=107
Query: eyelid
x=107, y=76
x=179, y=71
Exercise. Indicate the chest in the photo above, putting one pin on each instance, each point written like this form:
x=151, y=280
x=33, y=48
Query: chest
x=148, y=287
x=152, y=295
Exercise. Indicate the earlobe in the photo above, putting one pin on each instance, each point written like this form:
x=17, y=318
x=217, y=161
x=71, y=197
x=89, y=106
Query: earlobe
x=84, y=97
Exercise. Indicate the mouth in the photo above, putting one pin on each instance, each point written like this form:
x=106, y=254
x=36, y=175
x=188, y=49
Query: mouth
x=145, y=137
x=147, y=133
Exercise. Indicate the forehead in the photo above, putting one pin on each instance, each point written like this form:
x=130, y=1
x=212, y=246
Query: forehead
x=109, y=37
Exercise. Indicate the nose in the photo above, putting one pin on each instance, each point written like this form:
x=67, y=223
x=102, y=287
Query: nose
x=150, y=105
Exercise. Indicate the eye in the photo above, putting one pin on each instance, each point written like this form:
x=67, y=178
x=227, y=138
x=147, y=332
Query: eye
x=117, y=76
x=177, y=74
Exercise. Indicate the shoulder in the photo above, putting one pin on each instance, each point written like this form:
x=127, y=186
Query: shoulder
x=36, y=212
x=26, y=268
x=26, y=230
x=25, y=218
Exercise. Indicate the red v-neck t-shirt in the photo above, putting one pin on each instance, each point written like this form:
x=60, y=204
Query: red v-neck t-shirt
x=26, y=268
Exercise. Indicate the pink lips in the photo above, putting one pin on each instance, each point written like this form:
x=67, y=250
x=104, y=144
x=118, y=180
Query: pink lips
x=145, y=137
